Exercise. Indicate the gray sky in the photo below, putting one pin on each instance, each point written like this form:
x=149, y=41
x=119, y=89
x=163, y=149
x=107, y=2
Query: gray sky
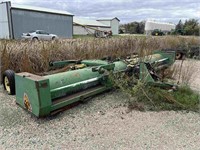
x=125, y=10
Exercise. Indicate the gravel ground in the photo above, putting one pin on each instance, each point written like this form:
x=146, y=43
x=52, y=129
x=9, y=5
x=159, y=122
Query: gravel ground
x=101, y=123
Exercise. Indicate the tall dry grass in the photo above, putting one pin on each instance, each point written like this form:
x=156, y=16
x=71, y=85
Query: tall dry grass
x=183, y=71
x=34, y=57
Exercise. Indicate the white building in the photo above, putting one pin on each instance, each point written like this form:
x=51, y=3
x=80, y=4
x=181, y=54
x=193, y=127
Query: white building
x=86, y=26
x=113, y=23
x=152, y=25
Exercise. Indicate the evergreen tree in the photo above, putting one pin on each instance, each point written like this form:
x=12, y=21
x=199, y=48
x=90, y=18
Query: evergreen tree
x=191, y=27
x=179, y=26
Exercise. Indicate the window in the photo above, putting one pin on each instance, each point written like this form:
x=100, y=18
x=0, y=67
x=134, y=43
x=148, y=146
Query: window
x=43, y=32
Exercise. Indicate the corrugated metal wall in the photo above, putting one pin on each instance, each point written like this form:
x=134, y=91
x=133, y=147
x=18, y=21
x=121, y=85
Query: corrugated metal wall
x=4, y=25
x=115, y=26
x=150, y=26
x=25, y=20
x=106, y=22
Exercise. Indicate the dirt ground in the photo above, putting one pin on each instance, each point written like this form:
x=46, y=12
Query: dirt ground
x=101, y=123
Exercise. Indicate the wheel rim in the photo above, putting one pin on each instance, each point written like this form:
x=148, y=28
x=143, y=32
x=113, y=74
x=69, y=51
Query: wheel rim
x=178, y=55
x=7, y=84
x=35, y=39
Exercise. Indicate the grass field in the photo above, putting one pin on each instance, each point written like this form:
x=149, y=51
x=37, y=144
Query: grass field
x=34, y=57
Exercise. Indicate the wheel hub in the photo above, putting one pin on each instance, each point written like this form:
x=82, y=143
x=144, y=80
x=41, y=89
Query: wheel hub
x=7, y=84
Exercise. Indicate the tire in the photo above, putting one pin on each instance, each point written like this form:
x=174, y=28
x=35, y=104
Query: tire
x=178, y=56
x=53, y=38
x=9, y=81
x=35, y=39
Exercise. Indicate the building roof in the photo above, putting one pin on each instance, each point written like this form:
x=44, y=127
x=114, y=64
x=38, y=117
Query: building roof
x=157, y=22
x=40, y=9
x=89, y=22
x=108, y=19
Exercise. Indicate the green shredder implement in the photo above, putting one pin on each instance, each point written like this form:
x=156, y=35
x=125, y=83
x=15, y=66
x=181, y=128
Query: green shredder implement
x=43, y=95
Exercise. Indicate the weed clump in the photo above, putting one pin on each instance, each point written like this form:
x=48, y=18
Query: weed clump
x=144, y=97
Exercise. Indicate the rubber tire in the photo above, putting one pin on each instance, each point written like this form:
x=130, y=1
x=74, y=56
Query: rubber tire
x=35, y=39
x=179, y=56
x=10, y=74
x=53, y=38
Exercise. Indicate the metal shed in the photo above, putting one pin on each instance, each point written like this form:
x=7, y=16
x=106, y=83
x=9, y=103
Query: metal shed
x=86, y=26
x=163, y=26
x=17, y=19
x=113, y=23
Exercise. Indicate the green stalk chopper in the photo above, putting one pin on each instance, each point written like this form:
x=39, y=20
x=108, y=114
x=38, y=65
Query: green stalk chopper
x=44, y=95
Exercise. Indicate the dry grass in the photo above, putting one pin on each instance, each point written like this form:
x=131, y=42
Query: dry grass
x=183, y=71
x=35, y=56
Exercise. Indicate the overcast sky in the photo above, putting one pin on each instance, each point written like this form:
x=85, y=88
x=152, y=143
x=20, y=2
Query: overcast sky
x=125, y=10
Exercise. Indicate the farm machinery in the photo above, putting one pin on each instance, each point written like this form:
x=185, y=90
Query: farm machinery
x=157, y=32
x=97, y=32
x=44, y=95
x=191, y=51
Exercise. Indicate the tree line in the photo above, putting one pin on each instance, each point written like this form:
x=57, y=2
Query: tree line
x=189, y=27
x=133, y=27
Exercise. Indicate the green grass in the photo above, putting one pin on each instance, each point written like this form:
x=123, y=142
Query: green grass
x=157, y=99
x=152, y=98
x=187, y=97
